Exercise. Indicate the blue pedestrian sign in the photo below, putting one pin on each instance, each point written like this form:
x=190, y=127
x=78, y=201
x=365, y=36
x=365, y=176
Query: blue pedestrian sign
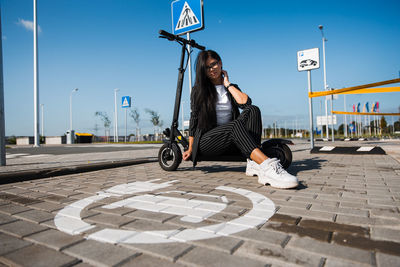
x=126, y=101
x=187, y=16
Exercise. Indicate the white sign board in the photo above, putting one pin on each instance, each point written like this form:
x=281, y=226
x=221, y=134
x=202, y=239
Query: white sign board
x=308, y=59
x=187, y=16
x=321, y=120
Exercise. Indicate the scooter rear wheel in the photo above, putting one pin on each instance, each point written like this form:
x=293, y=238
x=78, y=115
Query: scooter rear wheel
x=169, y=158
x=281, y=152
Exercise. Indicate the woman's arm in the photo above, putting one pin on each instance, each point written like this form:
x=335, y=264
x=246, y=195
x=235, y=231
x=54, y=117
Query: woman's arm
x=186, y=154
x=239, y=96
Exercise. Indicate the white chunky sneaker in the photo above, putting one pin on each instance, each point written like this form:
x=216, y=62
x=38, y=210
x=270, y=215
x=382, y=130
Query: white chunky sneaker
x=271, y=172
x=252, y=168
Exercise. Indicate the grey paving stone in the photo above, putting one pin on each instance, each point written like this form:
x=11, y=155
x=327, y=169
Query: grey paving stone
x=4, y=218
x=83, y=264
x=12, y=208
x=17, y=191
x=225, y=244
x=276, y=255
x=100, y=254
x=389, y=213
x=206, y=257
x=380, y=233
x=170, y=252
x=36, y=255
x=47, y=206
x=320, y=215
x=325, y=249
x=9, y=243
x=21, y=228
x=356, y=220
x=336, y=210
x=262, y=235
x=36, y=216
x=110, y=220
x=64, y=192
x=384, y=260
x=158, y=217
x=149, y=261
x=147, y=225
x=55, y=239
x=336, y=262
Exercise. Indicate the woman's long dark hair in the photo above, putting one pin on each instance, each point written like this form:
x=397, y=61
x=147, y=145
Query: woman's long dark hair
x=204, y=93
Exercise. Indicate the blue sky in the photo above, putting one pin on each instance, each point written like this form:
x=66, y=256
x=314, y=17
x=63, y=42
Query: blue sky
x=99, y=45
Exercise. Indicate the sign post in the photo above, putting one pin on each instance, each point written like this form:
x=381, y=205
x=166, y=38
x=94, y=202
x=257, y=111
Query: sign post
x=126, y=103
x=2, y=121
x=309, y=60
x=187, y=16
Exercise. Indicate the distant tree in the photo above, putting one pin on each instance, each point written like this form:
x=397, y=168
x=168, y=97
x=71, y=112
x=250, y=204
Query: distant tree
x=155, y=118
x=106, y=121
x=397, y=125
x=136, y=117
x=384, y=125
x=341, y=129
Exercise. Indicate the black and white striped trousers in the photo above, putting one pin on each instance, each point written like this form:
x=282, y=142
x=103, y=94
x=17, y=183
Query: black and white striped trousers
x=243, y=134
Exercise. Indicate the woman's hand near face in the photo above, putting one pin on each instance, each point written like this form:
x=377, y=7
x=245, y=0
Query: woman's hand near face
x=226, y=78
x=240, y=97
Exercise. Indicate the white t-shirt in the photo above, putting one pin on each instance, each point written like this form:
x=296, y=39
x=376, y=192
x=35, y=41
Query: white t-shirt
x=224, y=106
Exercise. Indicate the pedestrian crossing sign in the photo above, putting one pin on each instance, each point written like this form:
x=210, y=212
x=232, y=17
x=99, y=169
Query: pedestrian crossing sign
x=187, y=16
x=126, y=101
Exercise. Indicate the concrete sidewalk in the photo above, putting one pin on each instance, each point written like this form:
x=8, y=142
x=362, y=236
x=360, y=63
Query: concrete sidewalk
x=344, y=213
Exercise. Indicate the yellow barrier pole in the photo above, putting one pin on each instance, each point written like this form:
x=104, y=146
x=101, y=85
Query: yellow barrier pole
x=365, y=113
x=349, y=89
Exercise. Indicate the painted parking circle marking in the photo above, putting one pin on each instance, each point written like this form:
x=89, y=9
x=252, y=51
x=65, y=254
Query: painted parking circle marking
x=190, y=210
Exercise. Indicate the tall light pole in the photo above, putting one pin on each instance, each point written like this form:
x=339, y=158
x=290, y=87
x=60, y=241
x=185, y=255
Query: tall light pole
x=115, y=116
x=42, y=121
x=325, y=86
x=2, y=122
x=35, y=77
x=70, y=109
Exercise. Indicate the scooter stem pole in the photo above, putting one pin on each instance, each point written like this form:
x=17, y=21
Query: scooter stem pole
x=178, y=94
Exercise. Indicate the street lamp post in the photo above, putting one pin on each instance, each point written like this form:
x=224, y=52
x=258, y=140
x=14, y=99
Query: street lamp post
x=70, y=108
x=35, y=77
x=325, y=86
x=42, y=106
x=115, y=116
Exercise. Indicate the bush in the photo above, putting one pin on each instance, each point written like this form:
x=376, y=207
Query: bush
x=11, y=140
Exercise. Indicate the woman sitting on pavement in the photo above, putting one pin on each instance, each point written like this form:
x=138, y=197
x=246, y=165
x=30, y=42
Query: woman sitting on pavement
x=217, y=127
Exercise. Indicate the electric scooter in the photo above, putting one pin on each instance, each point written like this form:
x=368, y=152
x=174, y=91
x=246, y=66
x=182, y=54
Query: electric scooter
x=170, y=155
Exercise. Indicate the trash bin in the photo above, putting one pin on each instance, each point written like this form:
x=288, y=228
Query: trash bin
x=84, y=138
x=70, y=136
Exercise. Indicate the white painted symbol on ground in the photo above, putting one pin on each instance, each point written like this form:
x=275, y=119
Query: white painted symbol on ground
x=327, y=148
x=365, y=148
x=194, y=211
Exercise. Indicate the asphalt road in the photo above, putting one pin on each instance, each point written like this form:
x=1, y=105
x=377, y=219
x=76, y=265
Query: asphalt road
x=78, y=148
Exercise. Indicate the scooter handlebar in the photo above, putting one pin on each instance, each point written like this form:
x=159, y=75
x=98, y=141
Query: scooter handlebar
x=173, y=37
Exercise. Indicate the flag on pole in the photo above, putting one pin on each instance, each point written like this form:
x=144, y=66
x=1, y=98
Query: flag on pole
x=358, y=107
x=373, y=107
x=377, y=106
x=354, y=108
x=367, y=106
x=364, y=108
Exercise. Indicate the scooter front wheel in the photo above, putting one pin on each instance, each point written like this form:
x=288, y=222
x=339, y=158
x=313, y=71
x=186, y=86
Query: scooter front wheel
x=169, y=157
